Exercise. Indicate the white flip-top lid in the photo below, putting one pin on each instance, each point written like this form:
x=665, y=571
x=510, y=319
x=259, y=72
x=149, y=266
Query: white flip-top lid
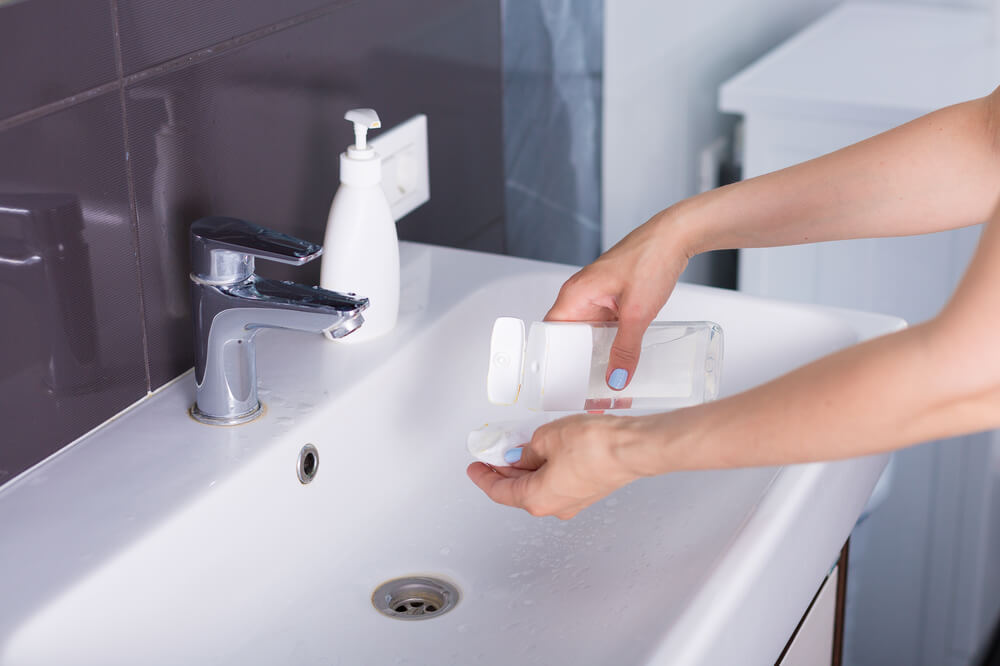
x=503, y=381
x=550, y=367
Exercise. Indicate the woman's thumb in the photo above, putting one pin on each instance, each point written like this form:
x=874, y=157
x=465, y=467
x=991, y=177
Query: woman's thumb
x=624, y=355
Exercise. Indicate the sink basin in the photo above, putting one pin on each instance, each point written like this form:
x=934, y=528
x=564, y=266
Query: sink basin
x=158, y=540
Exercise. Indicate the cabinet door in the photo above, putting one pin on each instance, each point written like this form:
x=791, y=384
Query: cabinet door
x=812, y=643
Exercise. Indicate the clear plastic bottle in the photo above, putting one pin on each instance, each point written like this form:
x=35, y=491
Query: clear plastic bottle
x=562, y=366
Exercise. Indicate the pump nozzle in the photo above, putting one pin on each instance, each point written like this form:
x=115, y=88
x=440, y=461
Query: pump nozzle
x=363, y=119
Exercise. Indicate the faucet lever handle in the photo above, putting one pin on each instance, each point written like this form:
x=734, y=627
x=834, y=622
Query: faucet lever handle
x=223, y=248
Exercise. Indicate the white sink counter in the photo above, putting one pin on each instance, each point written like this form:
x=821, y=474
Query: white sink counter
x=158, y=540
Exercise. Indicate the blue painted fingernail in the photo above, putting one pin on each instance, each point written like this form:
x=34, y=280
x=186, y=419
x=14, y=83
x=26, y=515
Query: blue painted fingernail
x=513, y=455
x=618, y=378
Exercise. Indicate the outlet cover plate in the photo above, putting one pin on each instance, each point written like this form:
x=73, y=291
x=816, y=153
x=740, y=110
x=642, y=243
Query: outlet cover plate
x=405, y=175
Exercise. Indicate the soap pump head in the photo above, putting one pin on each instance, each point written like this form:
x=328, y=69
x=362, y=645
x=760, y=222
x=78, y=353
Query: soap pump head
x=364, y=120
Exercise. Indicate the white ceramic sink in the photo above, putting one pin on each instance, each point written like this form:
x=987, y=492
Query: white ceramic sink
x=158, y=540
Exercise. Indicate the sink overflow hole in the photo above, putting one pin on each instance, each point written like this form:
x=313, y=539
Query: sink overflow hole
x=415, y=598
x=308, y=463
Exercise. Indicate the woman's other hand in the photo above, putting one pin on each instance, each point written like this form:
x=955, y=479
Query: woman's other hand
x=568, y=465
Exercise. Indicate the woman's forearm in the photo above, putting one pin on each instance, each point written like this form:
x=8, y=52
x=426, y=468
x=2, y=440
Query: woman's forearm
x=881, y=395
x=939, y=379
x=936, y=172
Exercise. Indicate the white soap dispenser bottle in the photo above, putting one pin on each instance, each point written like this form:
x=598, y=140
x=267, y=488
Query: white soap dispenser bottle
x=361, y=249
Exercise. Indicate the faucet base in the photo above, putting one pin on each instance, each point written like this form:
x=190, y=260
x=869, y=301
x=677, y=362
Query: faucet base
x=239, y=419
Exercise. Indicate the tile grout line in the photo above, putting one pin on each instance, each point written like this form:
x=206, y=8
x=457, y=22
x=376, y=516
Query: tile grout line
x=130, y=184
x=548, y=202
x=171, y=65
x=187, y=59
x=56, y=106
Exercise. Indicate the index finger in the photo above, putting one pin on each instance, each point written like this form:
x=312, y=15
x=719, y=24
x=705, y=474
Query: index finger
x=579, y=301
x=565, y=310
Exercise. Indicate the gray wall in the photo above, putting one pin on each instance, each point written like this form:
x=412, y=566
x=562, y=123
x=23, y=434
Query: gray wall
x=664, y=62
x=122, y=121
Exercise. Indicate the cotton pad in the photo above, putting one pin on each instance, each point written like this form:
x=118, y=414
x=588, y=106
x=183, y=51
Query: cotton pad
x=489, y=443
x=493, y=440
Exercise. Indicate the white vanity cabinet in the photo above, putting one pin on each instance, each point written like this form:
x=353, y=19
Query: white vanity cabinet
x=860, y=70
x=921, y=573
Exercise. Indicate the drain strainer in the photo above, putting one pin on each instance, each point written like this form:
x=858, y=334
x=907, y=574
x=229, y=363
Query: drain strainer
x=415, y=598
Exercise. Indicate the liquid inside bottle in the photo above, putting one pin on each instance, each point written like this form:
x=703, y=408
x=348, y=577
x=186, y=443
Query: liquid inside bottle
x=679, y=365
x=562, y=366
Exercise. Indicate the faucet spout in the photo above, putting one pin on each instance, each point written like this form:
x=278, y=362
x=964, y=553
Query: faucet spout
x=231, y=305
x=275, y=304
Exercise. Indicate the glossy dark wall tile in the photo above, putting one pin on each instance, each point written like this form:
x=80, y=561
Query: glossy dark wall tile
x=256, y=133
x=71, y=350
x=249, y=122
x=50, y=49
x=154, y=31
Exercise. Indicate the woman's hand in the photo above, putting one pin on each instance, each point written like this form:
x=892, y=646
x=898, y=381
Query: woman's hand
x=629, y=283
x=568, y=465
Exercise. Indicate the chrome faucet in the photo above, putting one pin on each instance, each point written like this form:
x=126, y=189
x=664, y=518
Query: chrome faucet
x=231, y=305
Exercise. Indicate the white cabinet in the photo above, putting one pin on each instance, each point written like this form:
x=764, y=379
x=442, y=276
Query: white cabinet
x=922, y=589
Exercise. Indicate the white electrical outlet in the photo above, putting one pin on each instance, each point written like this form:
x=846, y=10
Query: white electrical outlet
x=405, y=176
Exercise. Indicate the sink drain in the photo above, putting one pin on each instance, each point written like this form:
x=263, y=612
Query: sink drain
x=415, y=598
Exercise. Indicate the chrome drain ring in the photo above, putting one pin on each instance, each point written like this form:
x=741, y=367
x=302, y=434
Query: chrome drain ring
x=415, y=598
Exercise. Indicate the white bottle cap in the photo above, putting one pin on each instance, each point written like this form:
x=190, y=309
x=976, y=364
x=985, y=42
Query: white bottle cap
x=557, y=366
x=360, y=173
x=503, y=381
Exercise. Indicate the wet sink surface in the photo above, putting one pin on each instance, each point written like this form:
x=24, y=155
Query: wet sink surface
x=162, y=541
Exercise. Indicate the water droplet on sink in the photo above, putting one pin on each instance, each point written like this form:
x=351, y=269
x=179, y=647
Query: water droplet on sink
x=462, y=628
x=611, y=501
x=445, y=551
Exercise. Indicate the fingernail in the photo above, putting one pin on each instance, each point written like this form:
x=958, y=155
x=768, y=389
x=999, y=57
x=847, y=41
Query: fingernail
x=513, y=455
x=618, y=378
